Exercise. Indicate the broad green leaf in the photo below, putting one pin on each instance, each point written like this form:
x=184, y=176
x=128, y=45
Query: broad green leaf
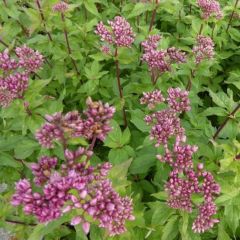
x=8, y=160
x=161, y=214
x=170, y=230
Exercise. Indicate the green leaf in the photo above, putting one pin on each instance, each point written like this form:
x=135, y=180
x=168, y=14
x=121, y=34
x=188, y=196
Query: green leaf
x=138, y=9
x=170, y=230
x=137, y=118
x=161, y=214
x=117, y=139
x=232, y=217
x=219, y=99
x=222, y=234
x=141, y=164
x=7, y=160
x=25, y=148
x=42, y=230
x=118, y=175
x=215, y=111
x=117, y=156
x=235, y=34
x=91, y=7
x=80, y=235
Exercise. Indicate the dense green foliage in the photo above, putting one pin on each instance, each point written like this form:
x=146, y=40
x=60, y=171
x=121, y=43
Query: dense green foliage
x=136, y=172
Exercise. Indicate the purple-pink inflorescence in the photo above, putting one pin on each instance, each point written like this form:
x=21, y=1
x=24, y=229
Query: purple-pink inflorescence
x=204, y=49
x=95, y=124
x=75, y=184
x=119, y=33
x=160, y=61
x=210, y=8
x=184, y=180
x=61, y=7
x=16, y=71
x=152, y=98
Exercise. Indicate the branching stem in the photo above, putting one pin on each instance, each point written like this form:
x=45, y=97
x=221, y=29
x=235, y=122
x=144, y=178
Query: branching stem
x=43, y=19
x=226, y=121
x=119, y=85
x=232, y=14
x=68, y=44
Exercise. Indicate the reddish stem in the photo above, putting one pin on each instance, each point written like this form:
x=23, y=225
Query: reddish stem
x=119, y=85
x=68, y=44
x=43, y=19
x=232, y=14
x=153, y=18
x=92, y=143
x=5, y=3
x=226, y=121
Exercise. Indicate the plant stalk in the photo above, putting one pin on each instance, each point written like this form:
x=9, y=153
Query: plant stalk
x=153, y=18
x=68, y=44
x=232, y=14
x=119, y=86
x=43, y=19
x=226, y=121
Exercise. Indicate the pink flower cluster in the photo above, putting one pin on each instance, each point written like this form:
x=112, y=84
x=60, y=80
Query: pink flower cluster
x=119, y=33
x=83, y=187
x=60, y=7
x=60, y=127
x=204, y=49
x=75, y=184
x=160, y=61
x=16, y=72
x=210, y=8
x=184, y=180
x=152, y=98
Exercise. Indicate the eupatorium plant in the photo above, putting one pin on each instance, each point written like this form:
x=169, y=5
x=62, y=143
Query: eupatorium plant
x=160, y=61
x=185, y=179
x=15, y=72
x=75, y=186
x=119, y=34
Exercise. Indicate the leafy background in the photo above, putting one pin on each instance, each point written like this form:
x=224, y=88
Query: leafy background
x=57, y=87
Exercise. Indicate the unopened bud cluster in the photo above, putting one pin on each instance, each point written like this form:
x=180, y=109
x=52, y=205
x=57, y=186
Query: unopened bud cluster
x=74, y=185
x=160, y=60
x=184, y=180
x=94, y=124
x=210, y=8
x=119, y=33
x=15, y=72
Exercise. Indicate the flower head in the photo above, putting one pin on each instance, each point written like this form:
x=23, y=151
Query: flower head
x=204, y=49
x=60, y=7
x=152, y=98
x=29, y=59
x=120, y=33
x=210, y=8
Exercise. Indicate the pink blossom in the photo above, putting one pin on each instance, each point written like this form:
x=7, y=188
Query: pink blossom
x=120, y=33
x=204, y=221
x=61, y=6
x=210, y=8
x=178, y=100
x=152, y=98
x=204, y=49
x=29, y=59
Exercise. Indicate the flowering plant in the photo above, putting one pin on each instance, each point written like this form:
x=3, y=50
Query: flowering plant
x=119, y=120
